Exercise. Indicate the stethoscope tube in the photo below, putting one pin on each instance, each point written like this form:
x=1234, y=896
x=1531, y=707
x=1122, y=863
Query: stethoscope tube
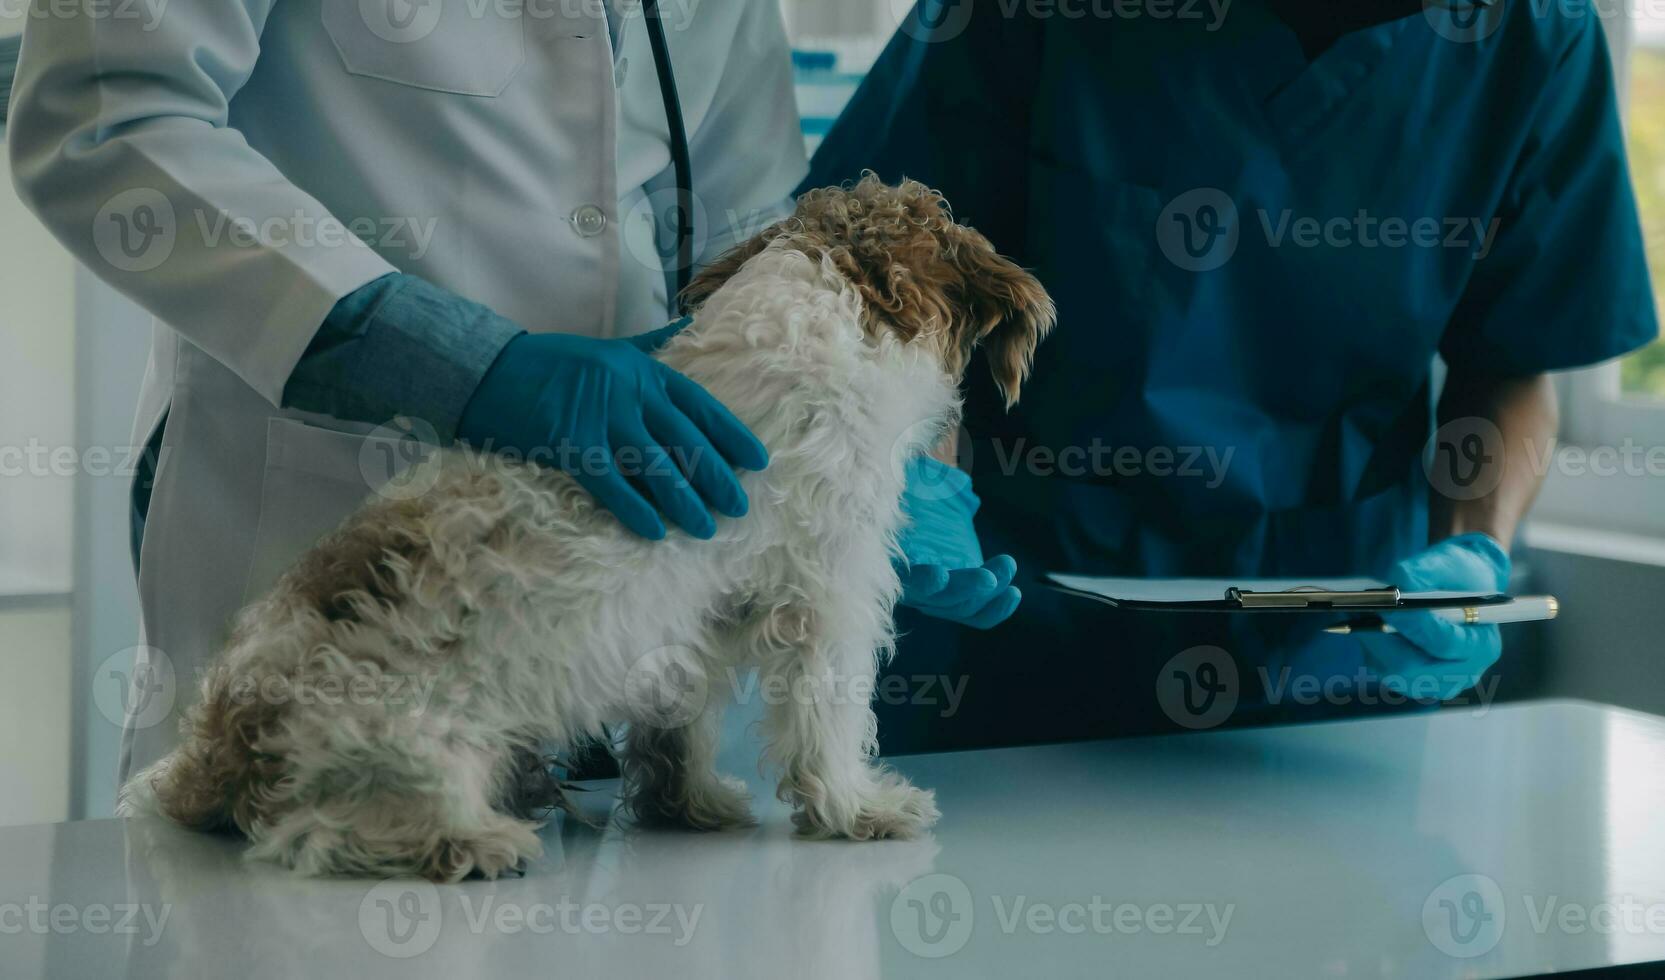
x=680, y=161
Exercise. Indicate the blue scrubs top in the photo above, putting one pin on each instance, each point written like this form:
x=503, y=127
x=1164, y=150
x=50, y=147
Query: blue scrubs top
x=1256, y=258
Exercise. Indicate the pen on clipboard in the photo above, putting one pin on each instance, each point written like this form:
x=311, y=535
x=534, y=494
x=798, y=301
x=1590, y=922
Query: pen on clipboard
x=1525, y=609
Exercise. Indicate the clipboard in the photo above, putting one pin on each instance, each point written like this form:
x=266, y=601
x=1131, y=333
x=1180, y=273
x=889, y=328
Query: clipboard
x=1262, y=595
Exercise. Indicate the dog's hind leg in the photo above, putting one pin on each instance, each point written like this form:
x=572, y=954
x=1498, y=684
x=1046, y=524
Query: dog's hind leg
x=429, y=815
x=669, y=764
x=823, y=736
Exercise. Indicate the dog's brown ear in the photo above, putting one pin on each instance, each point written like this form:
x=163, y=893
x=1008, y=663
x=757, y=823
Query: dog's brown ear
x=1013, y=314
x=711, y=278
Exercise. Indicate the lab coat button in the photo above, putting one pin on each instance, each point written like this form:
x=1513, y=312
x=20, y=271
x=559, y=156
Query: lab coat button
x=589, y=221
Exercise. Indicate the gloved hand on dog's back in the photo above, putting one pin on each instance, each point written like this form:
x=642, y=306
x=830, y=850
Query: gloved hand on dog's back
x=1429, y=656
x=401, y=345
x=941, y=561
x=606, y=412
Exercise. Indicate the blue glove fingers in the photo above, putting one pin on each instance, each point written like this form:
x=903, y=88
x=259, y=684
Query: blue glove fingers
x=651, y=341
x=1004, y=568
x=705, y=468
x=981, y=598
x=971, y=589
x=921, y=582
x=998, y=610
x=1438, y=639
x=1408, y=668
x=1473, y=561
x=730, y=435
x=666, y=483
x=612, y=491
x=968, y=590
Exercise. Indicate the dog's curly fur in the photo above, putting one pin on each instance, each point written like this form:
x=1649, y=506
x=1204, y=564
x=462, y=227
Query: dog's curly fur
x=838, y=335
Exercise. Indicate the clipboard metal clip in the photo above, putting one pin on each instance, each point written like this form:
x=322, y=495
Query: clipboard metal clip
x=1313, y=597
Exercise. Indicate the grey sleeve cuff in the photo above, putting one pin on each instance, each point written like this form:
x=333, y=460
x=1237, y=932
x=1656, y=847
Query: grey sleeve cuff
x=399, y=346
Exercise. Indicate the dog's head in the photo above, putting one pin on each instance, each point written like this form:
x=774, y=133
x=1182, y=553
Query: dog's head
x=921, y=275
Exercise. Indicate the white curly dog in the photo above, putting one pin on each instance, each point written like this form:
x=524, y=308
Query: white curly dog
x=840, y=336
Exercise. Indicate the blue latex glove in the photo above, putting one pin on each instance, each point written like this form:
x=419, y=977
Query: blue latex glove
x=651, y=341
x=941, y=564
x=1430, y=657
x=577, y=395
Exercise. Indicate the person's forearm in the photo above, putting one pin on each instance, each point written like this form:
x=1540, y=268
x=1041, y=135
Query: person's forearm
x=399, y=346
x=1526, y=416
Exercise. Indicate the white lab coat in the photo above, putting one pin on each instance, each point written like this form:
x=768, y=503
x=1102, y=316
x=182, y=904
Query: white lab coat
x=494, y=147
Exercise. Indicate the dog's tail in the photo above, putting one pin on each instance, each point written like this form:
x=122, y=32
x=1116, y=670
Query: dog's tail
x=198, y=784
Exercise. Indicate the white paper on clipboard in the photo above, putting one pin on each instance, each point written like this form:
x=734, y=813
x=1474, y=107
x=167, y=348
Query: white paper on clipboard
x=1184, y=590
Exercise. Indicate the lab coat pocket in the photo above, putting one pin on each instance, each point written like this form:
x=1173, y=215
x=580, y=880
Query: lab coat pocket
x=314, y=479
x=441, y=45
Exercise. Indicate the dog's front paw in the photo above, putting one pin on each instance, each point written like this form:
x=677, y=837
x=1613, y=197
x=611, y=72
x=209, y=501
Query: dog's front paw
x=890, y=808
x=714, y=803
